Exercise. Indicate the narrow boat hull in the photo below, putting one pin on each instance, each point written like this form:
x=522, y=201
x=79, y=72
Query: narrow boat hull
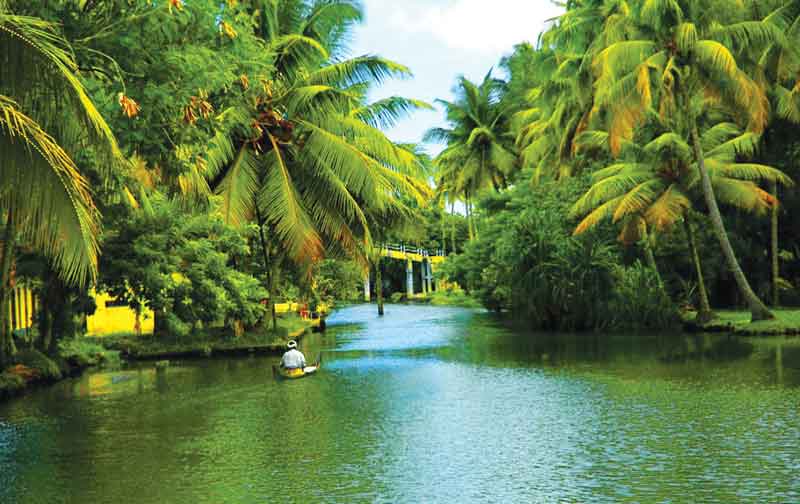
x=293, y=374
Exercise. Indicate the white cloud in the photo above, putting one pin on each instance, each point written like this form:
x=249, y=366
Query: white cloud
x=477, y=25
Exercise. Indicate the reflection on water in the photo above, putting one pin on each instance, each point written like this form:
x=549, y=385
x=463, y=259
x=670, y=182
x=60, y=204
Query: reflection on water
x=424, y=405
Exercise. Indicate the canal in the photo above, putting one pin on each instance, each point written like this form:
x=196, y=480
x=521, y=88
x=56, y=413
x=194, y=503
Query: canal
x=427, y=404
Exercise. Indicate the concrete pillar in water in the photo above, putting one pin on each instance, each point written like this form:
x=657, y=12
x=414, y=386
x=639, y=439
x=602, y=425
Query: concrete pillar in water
x=429, y=270
x=423, y=273
x=366, y=288
x=409, y=278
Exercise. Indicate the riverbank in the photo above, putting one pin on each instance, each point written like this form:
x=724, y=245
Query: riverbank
x=786, y=323
x=457, y=299
x=32, y=368
x=209, y=343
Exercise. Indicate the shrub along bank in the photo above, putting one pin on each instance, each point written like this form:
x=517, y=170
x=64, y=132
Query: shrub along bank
x=526, y=261
x=208, y=342
x=32, y=367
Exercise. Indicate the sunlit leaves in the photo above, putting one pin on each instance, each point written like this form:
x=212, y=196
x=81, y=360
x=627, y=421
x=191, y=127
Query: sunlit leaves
x=128, y=105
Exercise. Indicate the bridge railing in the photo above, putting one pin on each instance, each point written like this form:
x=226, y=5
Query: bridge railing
x=399, y=247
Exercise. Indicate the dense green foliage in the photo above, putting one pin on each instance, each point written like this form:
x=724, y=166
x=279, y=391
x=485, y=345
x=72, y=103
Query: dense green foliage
x=244, y=151
x=337, y=280
x=526, y=261
x=209, y=159
x=683, y=115
x=182, y=267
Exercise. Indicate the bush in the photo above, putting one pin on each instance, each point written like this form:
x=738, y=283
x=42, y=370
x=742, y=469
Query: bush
x=640, y=300
x=338, y=280
x=10, y=384
x=181, y=264
x=397, y=297
x=84, y=353
x=528, y=262
x=47, y=368
x=453, y=298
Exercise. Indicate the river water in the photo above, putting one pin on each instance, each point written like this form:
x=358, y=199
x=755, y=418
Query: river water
x=424, y=405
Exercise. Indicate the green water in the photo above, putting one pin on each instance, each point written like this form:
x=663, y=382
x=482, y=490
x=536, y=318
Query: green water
x=425, y=405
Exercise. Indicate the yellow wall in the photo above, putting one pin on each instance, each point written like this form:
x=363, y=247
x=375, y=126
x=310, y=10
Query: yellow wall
x=106, y=319
x=286, y=307
x=21, y=309
x=295, y=308
x=116, y=319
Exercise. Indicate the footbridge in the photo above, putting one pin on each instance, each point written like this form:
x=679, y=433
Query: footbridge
x=427, y=259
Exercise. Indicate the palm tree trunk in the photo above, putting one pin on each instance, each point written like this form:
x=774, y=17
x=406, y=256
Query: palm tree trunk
x=475, y=231
x=776, y=272
x=379, y=286
x=758, y=310
x=265, y=255
x=161, y=321
x=7, y=348
x=137, y=324
x=273, y=283
x=650, y=257
x=468, y=209
x=704, y=313
x=444, y=231
x=453, y=225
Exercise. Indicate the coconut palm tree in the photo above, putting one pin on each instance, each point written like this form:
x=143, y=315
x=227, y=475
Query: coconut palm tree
x=479, y=152
x=656, y=185
x=559, y=106
x=780, y=64
x=302, y=156
x=681, y=50
x=46, y=117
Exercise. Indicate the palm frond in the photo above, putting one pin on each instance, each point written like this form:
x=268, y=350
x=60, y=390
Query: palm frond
x=668, y=209
x=358, y=70
x=750, y=171
x=599, y=214
x=38, y=64
x=387, y=112
x=671, y=145
x=750, y=35
x=744, y=195
x=50, y=200
x=716, y=57
x=610, y=188
x=638, y=199
x=744, y=145
x=718, y=134
x=281, y=206
x=238, y=188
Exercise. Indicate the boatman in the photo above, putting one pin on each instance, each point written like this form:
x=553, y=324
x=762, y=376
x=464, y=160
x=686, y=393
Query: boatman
x=293, y=358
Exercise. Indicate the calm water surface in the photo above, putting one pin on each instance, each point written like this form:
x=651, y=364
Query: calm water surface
x=424, y=405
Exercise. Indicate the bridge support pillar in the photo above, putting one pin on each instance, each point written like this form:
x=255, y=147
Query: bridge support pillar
x=409, y=278
x=423, y=273
x=429, y=275
x=366, y=288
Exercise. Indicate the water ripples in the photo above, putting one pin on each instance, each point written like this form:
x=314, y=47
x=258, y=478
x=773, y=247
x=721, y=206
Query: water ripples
x=425, y=405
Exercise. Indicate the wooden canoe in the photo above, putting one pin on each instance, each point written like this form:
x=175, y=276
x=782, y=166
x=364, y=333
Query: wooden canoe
x=293, y=374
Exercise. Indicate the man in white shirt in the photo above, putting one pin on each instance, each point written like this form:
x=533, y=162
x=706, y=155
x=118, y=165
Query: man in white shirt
x=293, y=358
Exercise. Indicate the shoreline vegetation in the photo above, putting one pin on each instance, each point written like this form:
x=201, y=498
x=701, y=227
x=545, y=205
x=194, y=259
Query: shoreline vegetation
x=785, y=323
x=208, y=343
x=194, y=195
x=34, y=368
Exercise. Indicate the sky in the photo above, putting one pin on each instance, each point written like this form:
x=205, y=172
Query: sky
x=440, y=40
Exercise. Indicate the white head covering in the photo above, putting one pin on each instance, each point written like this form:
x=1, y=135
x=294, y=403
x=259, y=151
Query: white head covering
x=292, y=344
